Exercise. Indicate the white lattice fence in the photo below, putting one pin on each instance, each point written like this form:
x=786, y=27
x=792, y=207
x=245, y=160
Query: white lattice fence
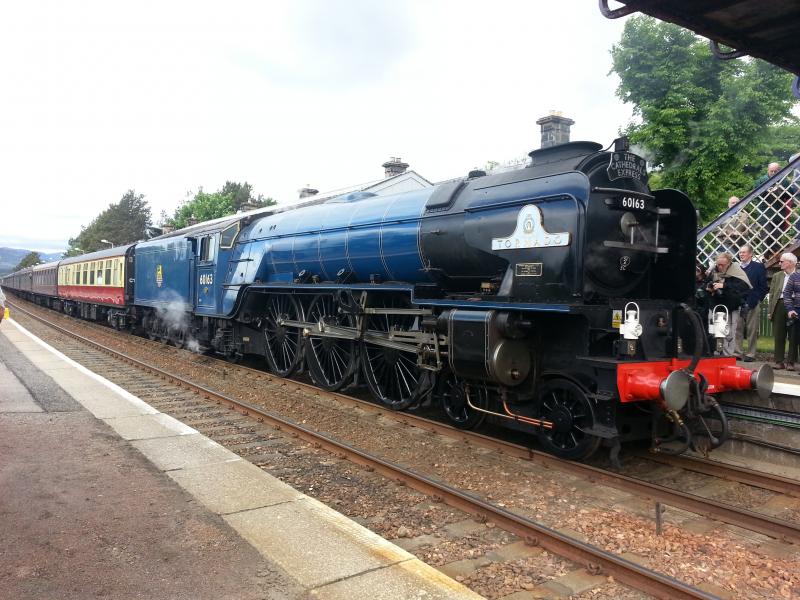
x=768, y=219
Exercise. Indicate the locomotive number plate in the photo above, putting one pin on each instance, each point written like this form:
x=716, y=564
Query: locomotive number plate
x=528, y=269
x=632, y=202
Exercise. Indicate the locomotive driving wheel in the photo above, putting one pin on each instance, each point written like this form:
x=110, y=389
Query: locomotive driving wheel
x=283, y=343
x=452, y=393
x=566, y=406
x=392, y=375
x=331, y=361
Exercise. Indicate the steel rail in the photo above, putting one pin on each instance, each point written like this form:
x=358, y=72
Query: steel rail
x=707, y=507
x=767, y=481
x=595, y=559
x=759, y=414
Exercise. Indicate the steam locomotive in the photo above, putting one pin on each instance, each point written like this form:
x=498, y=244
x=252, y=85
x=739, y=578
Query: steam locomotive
x=553, y=299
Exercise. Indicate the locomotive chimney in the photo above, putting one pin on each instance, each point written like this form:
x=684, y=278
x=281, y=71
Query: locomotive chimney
x=555, y=129
x=307, y=192
x=394, y=166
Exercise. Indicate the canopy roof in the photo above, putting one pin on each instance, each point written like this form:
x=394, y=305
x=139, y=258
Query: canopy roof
x=766, y=29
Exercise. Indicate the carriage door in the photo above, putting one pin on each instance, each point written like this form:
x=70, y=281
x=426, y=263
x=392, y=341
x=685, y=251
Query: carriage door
x=206, y=275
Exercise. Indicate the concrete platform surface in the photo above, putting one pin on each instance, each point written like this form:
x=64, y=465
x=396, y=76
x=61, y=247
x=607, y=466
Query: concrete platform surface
x=103, y=496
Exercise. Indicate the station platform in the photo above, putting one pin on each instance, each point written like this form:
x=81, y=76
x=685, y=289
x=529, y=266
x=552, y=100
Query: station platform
x=103, y=496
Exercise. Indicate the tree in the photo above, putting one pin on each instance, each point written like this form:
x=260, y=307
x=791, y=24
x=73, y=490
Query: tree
x=701, y=119
x=232, y=198
x=121, y=223
x=29, y=260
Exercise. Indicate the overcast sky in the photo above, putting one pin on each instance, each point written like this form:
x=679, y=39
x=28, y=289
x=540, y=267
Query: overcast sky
x=167, y=97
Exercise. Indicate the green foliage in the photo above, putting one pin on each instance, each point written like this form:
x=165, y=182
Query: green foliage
x=121, y=223
x=227, y=201
x=29, y=260
x=701, y=119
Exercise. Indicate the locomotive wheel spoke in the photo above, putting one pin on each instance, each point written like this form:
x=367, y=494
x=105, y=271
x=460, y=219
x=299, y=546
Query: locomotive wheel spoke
x=566, y=406
x=284, y=350
x=331, y=361
x=392, y=375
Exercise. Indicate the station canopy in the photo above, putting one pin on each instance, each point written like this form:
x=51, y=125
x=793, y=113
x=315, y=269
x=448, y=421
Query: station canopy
x=766, y=29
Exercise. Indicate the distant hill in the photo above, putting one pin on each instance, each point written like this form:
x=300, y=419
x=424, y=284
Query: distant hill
x=10, y=257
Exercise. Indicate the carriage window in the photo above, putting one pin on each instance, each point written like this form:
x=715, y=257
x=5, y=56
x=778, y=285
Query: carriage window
x=108, y=272
x=91, y=274
x=84, y=268
x=228, y=236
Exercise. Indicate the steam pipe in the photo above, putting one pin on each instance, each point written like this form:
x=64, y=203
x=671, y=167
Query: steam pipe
x=511, y=416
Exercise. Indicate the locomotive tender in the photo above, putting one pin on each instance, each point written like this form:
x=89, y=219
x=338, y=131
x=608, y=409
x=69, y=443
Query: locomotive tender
x=552, y=299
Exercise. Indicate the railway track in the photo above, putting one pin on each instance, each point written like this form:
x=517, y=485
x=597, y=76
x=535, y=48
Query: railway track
x=595, y=559
x=759, y=414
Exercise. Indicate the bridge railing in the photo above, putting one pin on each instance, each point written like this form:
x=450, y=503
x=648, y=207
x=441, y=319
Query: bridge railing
x=768, y=219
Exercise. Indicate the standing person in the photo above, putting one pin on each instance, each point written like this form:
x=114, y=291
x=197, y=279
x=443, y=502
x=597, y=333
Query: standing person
x=2, y=305
x=729, y=287
x=748, y=317
x=735, y=230
x=777, y=311
x=791, y=301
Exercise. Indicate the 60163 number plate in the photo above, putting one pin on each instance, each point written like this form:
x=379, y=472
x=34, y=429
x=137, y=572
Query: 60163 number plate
x=631, y=202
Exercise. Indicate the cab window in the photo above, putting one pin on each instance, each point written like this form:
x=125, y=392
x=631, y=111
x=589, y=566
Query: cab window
x=207, y=248
x=228, y=236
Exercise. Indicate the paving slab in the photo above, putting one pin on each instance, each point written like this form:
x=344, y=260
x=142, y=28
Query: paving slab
x=316, y=545
x=407, y=580
x=235, y=486
x=182, y=452
x=142, y=427
x=105, y=404
x=310, y=546
x=47, y=362
x=15, y=397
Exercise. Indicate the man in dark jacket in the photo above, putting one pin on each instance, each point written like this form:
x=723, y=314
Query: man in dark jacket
x=748, y=319
x=729, y=287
